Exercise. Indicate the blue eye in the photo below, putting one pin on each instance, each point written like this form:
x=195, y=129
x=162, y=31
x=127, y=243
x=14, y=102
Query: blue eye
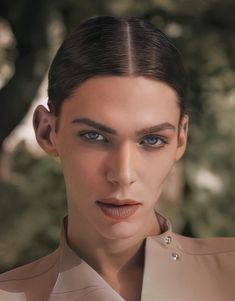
x=93, y=136
x=150, y=140
x=154, y=141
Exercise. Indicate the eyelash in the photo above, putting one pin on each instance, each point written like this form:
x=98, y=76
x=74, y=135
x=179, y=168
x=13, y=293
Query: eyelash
x=162, y=140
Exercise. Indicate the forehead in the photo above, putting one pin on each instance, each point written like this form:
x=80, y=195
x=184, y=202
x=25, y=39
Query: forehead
x=116, y=99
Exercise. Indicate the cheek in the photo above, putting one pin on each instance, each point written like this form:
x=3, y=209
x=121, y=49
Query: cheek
x=158, y=168
x=81, y=169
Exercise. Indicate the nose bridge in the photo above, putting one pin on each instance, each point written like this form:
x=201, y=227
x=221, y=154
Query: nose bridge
x=122, y=165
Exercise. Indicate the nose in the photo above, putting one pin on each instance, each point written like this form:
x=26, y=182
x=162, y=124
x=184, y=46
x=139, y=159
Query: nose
x=122, y=166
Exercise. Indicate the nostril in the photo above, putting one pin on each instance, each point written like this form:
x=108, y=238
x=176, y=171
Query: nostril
x=121, y=179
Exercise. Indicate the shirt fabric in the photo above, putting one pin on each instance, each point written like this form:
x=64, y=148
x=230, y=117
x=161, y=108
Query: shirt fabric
x=176, y=268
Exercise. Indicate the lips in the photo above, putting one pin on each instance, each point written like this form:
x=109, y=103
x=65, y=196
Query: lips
x=118, y=209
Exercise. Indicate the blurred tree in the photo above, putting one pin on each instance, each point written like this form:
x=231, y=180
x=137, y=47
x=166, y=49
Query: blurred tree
x=28, y=21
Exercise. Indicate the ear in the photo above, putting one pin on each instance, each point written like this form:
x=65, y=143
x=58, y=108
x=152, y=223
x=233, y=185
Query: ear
x=44, y=124
x=182, y=137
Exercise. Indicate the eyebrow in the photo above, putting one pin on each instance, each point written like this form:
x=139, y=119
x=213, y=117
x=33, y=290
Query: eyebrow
x=104, y=128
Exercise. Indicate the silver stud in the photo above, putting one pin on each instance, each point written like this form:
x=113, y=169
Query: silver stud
x=167, y=240
x=175, y=256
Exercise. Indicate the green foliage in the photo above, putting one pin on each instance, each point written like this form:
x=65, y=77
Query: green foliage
x=32, y=206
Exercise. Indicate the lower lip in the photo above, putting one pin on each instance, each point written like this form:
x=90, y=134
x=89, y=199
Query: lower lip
x=118, y=212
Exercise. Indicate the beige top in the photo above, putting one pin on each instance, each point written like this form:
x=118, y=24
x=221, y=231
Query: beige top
x=177, y=268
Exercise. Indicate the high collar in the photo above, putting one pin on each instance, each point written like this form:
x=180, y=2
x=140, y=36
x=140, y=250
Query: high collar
x=77, y=279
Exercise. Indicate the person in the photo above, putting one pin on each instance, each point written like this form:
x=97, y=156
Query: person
x=117, y=119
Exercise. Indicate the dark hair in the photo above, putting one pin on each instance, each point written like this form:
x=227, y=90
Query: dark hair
x=118, y=46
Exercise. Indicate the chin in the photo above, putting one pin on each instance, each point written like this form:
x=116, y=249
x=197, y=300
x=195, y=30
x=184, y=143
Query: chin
x=121, y=230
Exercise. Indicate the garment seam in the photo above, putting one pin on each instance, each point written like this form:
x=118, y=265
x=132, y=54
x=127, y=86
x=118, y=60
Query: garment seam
x=32, y=276
x=207, y=253
x=92, y=289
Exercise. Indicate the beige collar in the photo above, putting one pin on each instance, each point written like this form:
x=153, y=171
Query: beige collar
x=77, y=279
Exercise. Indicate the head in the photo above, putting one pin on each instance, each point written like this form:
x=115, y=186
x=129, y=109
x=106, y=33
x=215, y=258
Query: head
x=117, y=118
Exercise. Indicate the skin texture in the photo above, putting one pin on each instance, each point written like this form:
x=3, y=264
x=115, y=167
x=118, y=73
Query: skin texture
x=122, y=165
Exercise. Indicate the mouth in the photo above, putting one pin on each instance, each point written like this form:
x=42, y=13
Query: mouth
x=118, y=209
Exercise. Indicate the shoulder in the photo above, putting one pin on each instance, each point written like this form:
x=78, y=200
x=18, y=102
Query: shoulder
x=205, y=246
x=202, y=255
x=190, y=245
x=204, y=266
x=30, y=271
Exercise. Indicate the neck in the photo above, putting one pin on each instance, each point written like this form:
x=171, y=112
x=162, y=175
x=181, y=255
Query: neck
x=120, y=262
x=108, y=257
x=104, y=254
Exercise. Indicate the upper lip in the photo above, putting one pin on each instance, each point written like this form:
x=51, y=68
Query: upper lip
x=118, y=202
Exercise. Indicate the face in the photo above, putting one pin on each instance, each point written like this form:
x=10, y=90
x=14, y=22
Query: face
x=118, y=137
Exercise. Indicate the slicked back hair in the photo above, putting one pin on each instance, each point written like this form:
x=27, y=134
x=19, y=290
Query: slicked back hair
x=116, y=46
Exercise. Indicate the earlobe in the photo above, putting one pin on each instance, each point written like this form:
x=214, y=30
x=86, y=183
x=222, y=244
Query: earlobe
x=44, y=127
x=182, y=137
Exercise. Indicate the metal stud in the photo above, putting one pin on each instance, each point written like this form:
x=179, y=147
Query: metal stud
x=175, y=256
x=167, y=240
